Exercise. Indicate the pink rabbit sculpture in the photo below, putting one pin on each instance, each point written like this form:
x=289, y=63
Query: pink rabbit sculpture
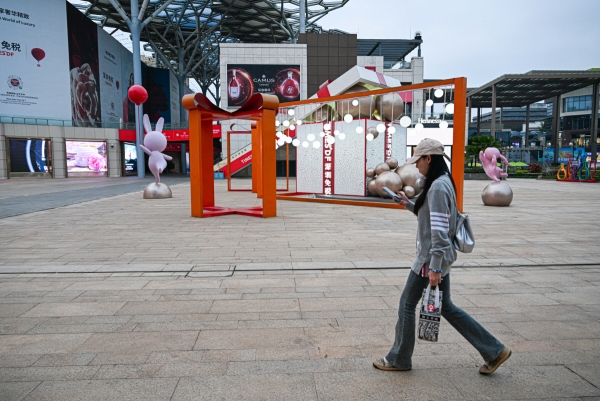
x=489, y=163
x=154, y=143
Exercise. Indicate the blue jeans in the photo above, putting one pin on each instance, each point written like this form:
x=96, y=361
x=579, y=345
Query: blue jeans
x=401, y=353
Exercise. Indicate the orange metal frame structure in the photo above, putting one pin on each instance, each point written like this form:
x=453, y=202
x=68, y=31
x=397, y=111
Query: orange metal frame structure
x=287, y=166
x=261, y=109
x=458, y=146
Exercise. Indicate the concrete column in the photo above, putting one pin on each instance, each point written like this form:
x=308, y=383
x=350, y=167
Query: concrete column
x=59, y=157
x=556, y=126
x=3, y=161
x=115, y=161
x=183, y=157
x=594, y=126
x=493, y=120
x=527, y=125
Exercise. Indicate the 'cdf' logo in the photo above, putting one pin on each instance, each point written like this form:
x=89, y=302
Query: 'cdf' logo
x=15, y=82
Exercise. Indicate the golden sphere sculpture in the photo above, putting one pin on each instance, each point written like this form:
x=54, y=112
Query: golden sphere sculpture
x=387, y=179
x=392, y=162
x=391, y=107
x=409, y=174
x=381, y=167
x=371, y=188
x=373, y=131
x=409, y=191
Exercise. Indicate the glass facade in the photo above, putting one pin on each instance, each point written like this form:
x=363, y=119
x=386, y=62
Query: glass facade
x=577, y=103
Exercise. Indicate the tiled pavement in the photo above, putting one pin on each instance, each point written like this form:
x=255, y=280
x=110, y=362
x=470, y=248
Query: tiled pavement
x=124, y=299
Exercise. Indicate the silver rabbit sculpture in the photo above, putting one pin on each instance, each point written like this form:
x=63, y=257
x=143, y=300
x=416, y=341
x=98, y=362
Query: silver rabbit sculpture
x=154, y=143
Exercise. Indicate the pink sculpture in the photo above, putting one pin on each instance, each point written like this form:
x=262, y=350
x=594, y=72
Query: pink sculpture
x=155, y=142
x=489, y=163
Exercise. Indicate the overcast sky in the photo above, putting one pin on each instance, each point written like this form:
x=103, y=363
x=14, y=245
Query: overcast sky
x=482, y=39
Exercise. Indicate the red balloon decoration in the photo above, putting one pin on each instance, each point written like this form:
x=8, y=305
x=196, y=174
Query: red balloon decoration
x=137, y=94
x=38, y=54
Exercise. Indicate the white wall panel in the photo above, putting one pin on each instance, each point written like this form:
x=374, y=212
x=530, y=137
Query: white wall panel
x=375, y=148
x=349, y=157
x=309, y=167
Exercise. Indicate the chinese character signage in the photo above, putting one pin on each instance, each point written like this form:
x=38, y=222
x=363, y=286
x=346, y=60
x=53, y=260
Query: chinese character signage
x=243, y=80
x=34, y=59
x=328, y=160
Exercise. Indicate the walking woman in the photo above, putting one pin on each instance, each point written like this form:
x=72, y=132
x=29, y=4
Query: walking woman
x=436, y=213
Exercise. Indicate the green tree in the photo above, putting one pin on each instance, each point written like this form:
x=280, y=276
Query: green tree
x=478, y=143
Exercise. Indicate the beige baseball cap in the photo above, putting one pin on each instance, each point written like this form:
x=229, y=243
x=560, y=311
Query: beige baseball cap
x=427, y=147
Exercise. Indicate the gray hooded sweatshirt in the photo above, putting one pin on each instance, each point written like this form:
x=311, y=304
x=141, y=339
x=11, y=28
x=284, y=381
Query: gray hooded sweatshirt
x=436, y=227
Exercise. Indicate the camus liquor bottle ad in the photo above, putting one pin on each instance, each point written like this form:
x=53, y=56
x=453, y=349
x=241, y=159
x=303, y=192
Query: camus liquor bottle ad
x=243, y=80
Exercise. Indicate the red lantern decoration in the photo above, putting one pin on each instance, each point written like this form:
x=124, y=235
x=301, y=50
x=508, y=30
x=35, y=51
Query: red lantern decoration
x=38, y=54
x=137, y=94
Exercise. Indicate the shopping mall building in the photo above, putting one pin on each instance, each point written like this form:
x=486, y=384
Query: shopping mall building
x=65, y=112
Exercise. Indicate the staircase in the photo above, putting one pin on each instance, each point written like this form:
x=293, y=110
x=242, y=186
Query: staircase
x=239, y=159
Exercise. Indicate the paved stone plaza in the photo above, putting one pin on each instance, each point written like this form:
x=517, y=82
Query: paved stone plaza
x=114, y=297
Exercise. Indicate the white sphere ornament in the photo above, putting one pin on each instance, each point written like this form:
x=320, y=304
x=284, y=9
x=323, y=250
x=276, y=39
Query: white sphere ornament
x=305, y=144
x=443, y=124
x=429, y=102
x=380, y=128
x=330, y=140
x=336, y=132
x=450, y=108
x=370, y=137
x=342, y=136
x=392, y=129
x=292, y=127
x=355, y=102
x=419, y=126
x=438, y=93
x=288, y=139
x=360, y=130
x=280, y=142
x=296, y=142
x=277, y=123
x=291, y=112
x=405, y=121
x=310, y=137
x=286, y=123
x=327, y=127
x=316, y=144
x=348, y=118
x=298, y=122
x=321, y=134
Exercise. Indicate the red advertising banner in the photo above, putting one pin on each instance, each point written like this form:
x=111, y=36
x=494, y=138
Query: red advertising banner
x=173, y=135
x=238, y=163
x=328, y=161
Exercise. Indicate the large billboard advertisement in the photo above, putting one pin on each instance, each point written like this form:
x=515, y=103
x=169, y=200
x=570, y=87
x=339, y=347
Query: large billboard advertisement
x=86, y=159
x=127, y=82
x=109, y=80
x=34, y=59
x=157, y=83
x=30, y=158
x=243, y=80
x=84, y=69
